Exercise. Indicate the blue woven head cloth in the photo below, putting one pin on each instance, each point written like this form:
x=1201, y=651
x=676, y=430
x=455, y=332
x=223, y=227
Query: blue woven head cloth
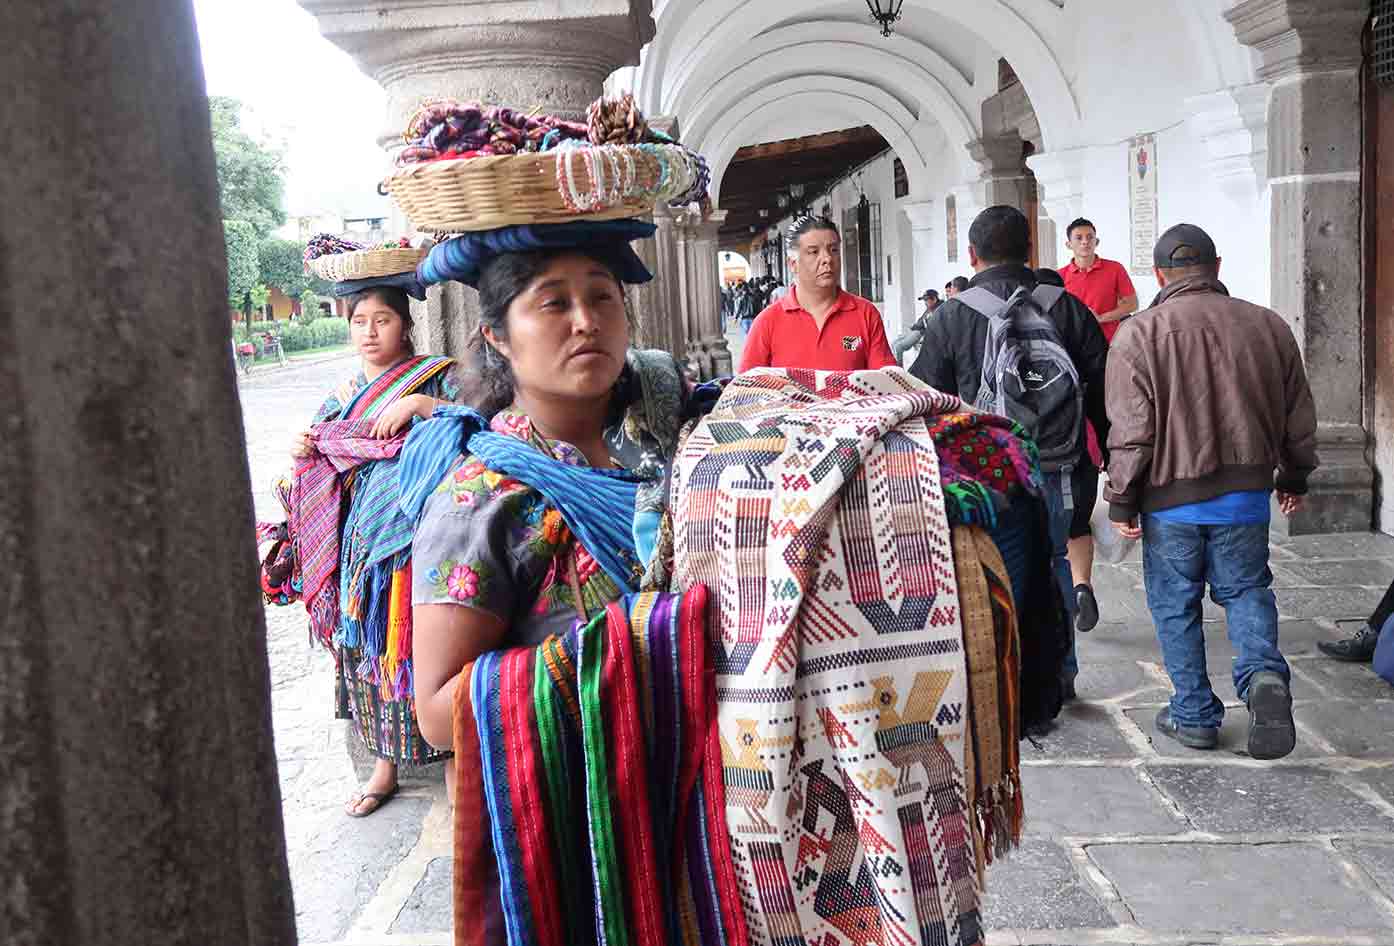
x=462, y=258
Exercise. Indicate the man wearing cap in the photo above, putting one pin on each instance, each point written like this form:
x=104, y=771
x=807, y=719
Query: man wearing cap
x=915, y=332
x=1210, y=413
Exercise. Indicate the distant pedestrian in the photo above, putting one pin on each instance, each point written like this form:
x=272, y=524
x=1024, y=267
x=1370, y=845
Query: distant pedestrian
x=954, y=286
x=1208, y=398
x=955, y=350
x=915, y=332
x=817, y=324
x=1101, y=284
x=1105, y=287
x=744, y=308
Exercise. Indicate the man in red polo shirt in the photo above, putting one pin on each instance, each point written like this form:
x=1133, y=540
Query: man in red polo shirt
x=817, y=324
x=1101, y=284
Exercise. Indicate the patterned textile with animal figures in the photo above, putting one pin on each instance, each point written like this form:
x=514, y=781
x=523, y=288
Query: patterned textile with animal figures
x=811, y=504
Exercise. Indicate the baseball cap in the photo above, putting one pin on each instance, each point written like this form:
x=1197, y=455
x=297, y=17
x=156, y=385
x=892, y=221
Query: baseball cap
x=929, y=294
x=1196, y=243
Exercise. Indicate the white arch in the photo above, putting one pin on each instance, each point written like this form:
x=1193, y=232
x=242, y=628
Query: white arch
x=720, y=25
x=849, y=102
x=898, y=77
x=929, y=65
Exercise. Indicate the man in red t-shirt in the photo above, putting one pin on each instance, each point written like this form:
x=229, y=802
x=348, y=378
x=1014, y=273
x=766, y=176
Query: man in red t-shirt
x=817, y=324
x=1101, y=284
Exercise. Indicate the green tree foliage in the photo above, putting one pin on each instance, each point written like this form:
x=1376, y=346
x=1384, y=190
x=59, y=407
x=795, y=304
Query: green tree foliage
x=282, y=265
x=251, y=175
x=309, y=306
x=243, y=268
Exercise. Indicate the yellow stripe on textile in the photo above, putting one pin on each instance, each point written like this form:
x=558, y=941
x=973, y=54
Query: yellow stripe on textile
x=398, y=645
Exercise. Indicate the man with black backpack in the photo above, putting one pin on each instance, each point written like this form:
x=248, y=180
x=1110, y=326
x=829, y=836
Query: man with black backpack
x=1030, y=352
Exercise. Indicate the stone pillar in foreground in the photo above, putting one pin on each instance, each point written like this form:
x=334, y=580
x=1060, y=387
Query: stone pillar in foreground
x=138, y=795
x=1310, y=52
x=550, y=56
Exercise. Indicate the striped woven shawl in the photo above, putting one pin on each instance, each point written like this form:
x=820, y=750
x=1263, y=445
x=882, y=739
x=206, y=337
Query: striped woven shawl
x=598, y=763
x=342, y=447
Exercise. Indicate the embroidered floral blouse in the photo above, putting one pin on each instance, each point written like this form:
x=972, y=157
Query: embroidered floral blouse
x=487, y=541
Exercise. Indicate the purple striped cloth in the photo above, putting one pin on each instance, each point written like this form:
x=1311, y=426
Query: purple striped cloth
x=316, y=499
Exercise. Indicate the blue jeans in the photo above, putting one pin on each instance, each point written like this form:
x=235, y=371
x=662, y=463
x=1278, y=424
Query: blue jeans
x=1059, y=540
x=1178, y=560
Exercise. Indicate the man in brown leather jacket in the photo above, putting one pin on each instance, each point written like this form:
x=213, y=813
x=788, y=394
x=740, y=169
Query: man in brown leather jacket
x=1210, y=413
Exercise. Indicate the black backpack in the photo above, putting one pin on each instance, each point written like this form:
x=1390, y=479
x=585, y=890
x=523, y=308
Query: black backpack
x=1027, y=373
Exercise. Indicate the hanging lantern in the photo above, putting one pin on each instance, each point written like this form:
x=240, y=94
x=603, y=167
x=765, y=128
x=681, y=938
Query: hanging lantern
x=885, y=12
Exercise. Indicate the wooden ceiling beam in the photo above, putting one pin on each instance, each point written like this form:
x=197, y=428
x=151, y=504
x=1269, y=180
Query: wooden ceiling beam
x=789, y=146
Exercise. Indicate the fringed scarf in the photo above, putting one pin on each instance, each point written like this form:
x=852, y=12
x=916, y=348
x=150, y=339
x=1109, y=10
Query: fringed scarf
x=811, y=504
x=992, y=652
x=373, y=591
x=596, y=760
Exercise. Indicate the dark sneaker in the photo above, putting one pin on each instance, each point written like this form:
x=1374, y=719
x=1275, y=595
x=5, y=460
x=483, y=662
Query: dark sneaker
x=1358, y=649
x=1192, y=737
x=1272, y=734
x=1087, y=615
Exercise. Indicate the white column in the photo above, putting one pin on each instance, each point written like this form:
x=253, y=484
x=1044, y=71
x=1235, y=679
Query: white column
x=922, y=215
x=1233, y=125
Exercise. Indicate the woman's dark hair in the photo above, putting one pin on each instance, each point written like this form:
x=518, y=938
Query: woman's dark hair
x=501, y=280
x=396, y=300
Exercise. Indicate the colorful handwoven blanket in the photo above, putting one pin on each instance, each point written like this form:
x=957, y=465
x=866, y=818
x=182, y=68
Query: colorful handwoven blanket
x=983, y=459
x=811, y=504
x=597, y=814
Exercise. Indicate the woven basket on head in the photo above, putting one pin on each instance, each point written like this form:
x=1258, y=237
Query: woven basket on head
x=367, y=264
x=485, y=193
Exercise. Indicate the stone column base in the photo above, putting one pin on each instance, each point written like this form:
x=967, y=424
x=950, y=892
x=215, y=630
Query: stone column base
x=1339, y=496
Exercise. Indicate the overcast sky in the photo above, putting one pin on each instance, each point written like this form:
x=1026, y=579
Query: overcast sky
x=303, y=90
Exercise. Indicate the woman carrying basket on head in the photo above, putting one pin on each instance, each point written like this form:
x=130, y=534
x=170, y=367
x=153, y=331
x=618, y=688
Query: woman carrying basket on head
x=349, y=545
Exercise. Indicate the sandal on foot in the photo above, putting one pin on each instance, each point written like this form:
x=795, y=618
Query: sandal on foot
x=377, y=798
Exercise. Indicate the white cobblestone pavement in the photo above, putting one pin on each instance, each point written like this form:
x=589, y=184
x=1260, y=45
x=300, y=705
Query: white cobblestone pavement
x=1129, y=839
